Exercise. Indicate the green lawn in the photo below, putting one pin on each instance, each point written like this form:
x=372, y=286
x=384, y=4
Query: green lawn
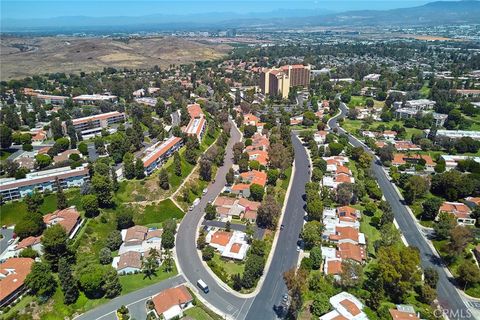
x=352, y=126
x=371, y=233
x=134, y=282
x=425, y=90
x=5, y=153
x=14, y=211
x=155, y=214
x=197, y=313
x=359, y=101
x=231, y=267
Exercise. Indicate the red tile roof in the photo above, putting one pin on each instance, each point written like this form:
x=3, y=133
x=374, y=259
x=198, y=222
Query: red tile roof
x=255, y=177
x=130, y=259
x=67, y=218
x=195, y=111
x=14, y=271
x=158, y=152
x=334, y=267
x=171, y=297
x=400, y=315
x=351, y=307
x=352, y=251
x=221, y=238
x=344, y=233
x=28, y=242
x=460, y=210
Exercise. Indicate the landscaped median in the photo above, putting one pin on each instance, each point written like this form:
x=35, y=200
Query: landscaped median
x=237, y=252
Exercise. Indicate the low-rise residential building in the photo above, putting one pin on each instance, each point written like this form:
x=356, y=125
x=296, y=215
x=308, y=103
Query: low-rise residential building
x=457, y=134
x=250, y=119
x=470, y=93
x=420, y=104
x=30, y=242
x=460, y=210
x=346, y=234
x=403, y=312
x=94, y=98
x=157, y=154
x=11, y=189
x=345, y=306
x=348, y=250
x=259, y=142
x=140, y=239
x=12, y=278
x=93, y=125
x=241, y=208
x=230, y=244
x=65, y=155
x=297, y=120
x=402, y=159
x=258, y=155
x=51, y=99
x=170, y=303
x=372, y=77
x=68, y=218
x=196, y=126
x=406, y=146
x=128, y=262
x=320, y=137
x=451, y=161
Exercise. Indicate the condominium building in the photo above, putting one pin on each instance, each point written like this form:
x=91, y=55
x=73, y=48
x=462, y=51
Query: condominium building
x=95, y=124
x=51, y=99
x=196, y=126
x=11, y=189
x=278, y=81
x=94, y=98
x=157, y=154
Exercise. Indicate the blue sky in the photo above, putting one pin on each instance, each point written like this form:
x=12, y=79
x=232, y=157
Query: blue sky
x=24, y=9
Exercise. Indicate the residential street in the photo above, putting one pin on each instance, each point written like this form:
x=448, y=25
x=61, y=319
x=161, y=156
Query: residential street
x=135, y=301
x=448, y=296
x=286, y=255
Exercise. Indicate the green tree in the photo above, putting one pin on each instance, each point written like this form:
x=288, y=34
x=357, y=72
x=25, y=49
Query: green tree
x=431, y=277
x=33, y=201
x=416, y=187
x=128, y=166
x=256, y=192
x=150, y=264
x=446, y=222
x=431, y=207
x=61, y=197
x=163, y=179
x=139, y=169
x=468, y=273
x=30, y=225
x=460, y=237
x=168, y=239
x=177, y=162
x=210, y=212
x=124, y=218
x=41, y=281
x=111, y=286
x=208, y=253
x=316, y=257
x=105, y=256
x=102, y=187
x=320, y=304
x=67, y=282
x=230, y=176
x=54, y=241
x=272, y=176
x=314, y=209
x=83, y=148
x=92, y=279
x=205, y=169
x=89, y=203
x=335, y=148
x=114, y=240
x=312, y=233
x=42, y=161
x=5, y=136
x=268, y=213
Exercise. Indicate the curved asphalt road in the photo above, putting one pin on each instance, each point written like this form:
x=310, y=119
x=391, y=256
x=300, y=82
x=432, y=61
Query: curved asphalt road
x=285, y=255
x=448, y=296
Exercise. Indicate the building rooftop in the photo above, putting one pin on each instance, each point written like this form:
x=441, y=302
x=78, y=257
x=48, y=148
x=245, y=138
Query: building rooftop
x=12, y=275
x=160, y=150
x=171, y=297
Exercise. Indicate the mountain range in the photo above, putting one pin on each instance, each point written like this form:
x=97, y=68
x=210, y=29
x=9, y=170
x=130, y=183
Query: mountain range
x=434, y=13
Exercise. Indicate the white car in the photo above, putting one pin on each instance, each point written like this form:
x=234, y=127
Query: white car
x=205, y=191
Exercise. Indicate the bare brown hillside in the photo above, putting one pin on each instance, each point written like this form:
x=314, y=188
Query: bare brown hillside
x=20, y=57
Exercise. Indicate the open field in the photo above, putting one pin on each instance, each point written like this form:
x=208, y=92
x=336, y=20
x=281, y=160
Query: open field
x=22, y=57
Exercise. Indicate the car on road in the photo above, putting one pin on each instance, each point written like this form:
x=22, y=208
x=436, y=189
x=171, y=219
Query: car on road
x=281, y=227
x=195, y=202
x=298, y=249
x=190, y=208
x=10, y=241
x=202, y=285
x=205, y=191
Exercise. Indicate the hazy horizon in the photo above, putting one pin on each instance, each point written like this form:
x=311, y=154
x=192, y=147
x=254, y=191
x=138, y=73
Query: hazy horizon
x=24, y=10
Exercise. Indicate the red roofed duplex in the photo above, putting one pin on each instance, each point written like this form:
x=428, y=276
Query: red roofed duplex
x=255, y=177
x=351, y=251
x=172, y=297
x=67, y=218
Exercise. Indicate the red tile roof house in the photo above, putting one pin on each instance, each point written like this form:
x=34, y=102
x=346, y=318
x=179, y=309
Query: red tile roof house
x=347, y=235
x=250, y=119
x=249, y=178
x=400, y=158
x=460, y=210
x=258, y=155
x=12, y=277
x=31, y=242
x=403, y=312
x=68, y=218
x=351, y=251
x=171, y=302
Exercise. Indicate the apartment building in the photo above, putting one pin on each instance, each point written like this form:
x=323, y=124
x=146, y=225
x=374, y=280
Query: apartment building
x=93, y=125
x=278, y=81
x=11, y=189
x=94, y=98
x=197, y=125
x=157, y=154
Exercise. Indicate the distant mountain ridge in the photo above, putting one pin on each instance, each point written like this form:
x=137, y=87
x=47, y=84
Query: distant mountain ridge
x=433, y=13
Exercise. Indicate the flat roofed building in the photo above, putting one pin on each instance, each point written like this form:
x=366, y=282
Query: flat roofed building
x=94, y=98
x=159, y=153
x=51, y=99
x=457, y=134
x=11, y=189
x=99, y=121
